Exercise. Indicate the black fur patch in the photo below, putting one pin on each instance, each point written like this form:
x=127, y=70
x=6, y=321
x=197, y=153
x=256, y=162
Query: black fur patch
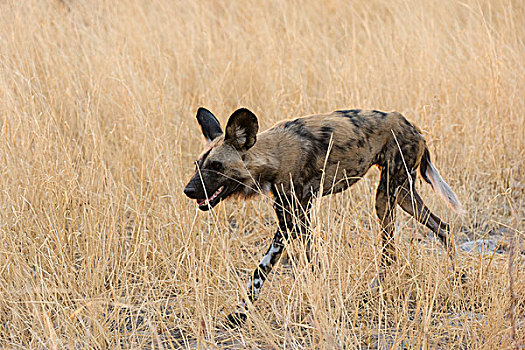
x=349, y=111
x=293, y=123
x=356, y=121
x=314, y=146
x=316, y=143
x=381, y=114
x=425, y=160
x=327, y=131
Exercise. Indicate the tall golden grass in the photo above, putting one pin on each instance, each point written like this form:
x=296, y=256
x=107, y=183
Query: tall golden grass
x=99, y=247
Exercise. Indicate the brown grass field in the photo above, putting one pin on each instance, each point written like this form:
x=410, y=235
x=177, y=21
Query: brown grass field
x=101, y=249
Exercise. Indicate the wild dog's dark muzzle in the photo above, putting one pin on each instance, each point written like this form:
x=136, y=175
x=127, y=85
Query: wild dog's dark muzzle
x=194, y=188
x=206, y=196
x=190, y=192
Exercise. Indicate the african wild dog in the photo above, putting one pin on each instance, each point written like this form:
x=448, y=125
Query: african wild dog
x=297, y=160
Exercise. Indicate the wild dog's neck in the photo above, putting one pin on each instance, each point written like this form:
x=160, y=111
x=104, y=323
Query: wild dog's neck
x=263, y=160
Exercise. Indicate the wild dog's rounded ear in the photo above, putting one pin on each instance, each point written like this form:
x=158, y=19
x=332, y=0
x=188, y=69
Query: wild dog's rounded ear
x=210, y=126
x=241, y=130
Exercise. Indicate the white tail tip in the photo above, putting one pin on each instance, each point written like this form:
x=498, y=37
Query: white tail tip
x=443, y=190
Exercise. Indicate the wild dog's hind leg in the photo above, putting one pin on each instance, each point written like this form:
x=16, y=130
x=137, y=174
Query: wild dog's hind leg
x=412, y=203
x=385, y=210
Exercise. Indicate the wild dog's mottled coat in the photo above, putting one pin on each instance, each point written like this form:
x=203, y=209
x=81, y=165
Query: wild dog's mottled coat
x=299, y=159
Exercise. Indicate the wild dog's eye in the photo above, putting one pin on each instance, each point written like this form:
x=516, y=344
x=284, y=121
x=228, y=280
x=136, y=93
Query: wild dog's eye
x=216, y=166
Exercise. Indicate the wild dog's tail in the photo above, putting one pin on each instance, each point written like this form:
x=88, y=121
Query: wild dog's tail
x=431, y=175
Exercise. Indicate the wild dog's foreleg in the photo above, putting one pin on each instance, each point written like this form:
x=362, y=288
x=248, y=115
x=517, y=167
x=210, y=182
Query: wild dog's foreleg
x=259, y=276
x=265, y=266
x=385, y=210
x=412, y=203
x=292, y=222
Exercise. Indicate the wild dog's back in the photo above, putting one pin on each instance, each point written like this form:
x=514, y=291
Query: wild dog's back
x=339, y=147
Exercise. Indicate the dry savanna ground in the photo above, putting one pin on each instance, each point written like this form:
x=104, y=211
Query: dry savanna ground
x=100, y=248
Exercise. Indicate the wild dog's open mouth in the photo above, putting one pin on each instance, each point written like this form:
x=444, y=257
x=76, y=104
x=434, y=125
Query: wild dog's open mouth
x=205, y=204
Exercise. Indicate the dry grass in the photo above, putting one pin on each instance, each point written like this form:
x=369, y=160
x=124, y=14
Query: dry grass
x=99, y=247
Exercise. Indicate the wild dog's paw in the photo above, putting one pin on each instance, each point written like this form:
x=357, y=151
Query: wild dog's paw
x=236, y=319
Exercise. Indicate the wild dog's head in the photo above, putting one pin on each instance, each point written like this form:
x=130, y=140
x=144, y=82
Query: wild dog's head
x=220, y=170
